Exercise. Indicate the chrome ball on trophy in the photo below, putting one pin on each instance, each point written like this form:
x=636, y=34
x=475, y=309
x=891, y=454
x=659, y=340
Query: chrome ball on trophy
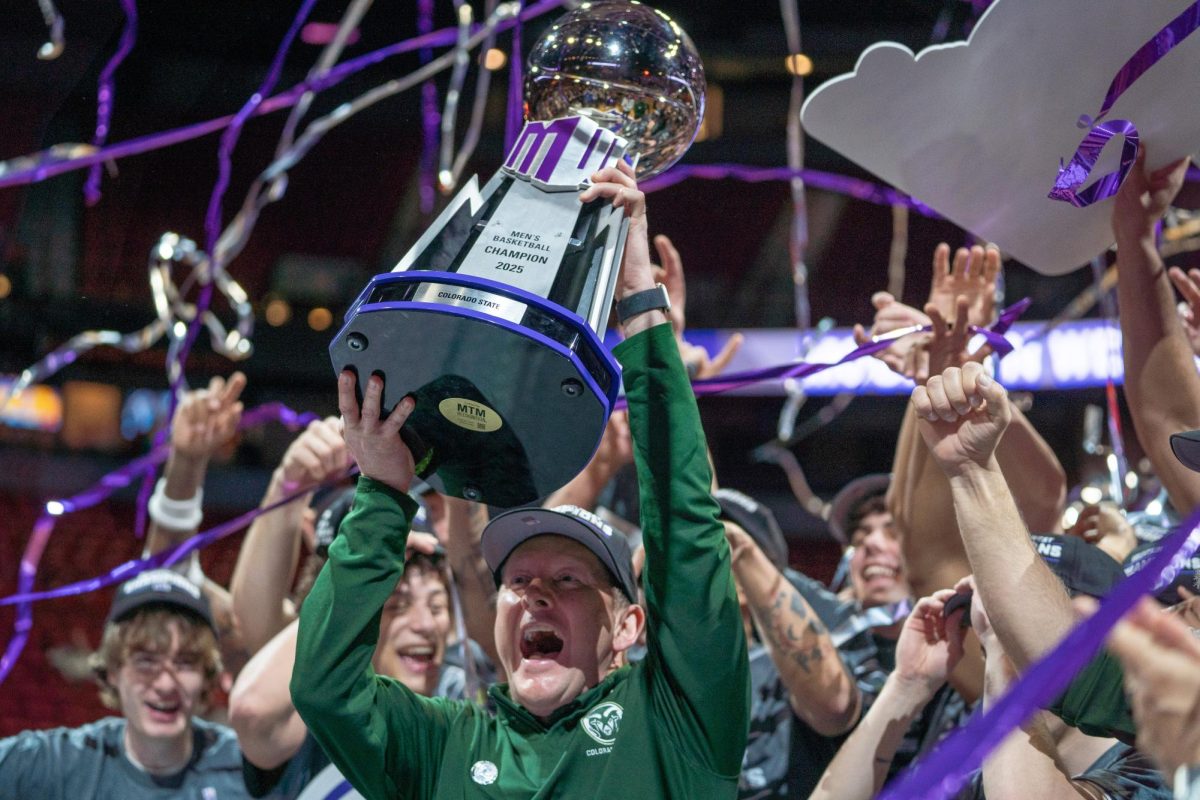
x=493, y=320
x=626, y=66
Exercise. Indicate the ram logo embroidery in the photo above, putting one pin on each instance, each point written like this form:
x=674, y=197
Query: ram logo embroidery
x=603, y=722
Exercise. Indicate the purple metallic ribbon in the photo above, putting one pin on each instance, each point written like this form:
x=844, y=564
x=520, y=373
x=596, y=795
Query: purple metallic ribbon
x=516, y=92
x=993, y=335
x=164, y=558
x=842, y=184
x=101, y=490
x=431, y=117
x=1071, y=177
x=946, y=769
x=212, y=217
x=50, y=165
x=212, y=232
x=106, y=94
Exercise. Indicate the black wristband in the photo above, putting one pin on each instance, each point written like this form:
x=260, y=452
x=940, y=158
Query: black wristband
x=641, y=302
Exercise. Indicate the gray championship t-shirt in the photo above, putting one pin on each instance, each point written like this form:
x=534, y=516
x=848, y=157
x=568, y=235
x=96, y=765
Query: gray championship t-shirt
x=89, y=762
x=765, y=765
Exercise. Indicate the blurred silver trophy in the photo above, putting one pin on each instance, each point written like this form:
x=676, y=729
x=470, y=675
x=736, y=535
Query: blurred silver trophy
x=493, y=320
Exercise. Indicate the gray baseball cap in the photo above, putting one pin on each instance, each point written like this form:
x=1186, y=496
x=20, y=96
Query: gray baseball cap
x=160, y=587
x=510, y=530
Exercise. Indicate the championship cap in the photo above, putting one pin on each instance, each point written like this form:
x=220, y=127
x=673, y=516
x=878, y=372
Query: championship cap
x=1168, y=595
x=1083, y=568
x=160, y=587
x=509, y=530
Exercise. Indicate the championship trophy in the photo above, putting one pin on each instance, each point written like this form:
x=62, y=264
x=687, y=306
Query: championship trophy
x=493, y=320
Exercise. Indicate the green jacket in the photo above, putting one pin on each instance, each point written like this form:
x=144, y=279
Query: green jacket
x=671, y=726
x=1095, y=702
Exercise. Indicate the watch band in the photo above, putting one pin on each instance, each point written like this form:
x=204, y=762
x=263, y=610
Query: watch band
x=643, y=301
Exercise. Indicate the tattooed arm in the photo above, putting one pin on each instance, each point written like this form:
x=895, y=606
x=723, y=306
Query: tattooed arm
x=820, y=689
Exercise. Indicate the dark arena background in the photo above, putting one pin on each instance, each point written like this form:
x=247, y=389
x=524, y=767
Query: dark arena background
x=353, y=206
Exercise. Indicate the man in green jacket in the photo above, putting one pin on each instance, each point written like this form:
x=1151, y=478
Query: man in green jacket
x=573, y=719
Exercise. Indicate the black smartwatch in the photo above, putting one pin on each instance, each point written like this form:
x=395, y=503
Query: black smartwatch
x=641, y=302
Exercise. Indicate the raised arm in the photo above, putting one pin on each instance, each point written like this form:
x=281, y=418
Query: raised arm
x=1160, y=373
x=930, y=645
x=260, y=706
x=465, y=522
x=373, y=728
x=1027, y=763
x=962, y=414
x=820, y=689
x=205, y=421
x=696, y=359
x=697, y=648
x=963, y=292
x=266, y=564
x=614, y=452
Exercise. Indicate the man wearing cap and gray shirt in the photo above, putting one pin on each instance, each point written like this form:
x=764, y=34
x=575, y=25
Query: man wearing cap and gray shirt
x=794, y=666
x=158, y=663
x=570, y=721
x=865, y=628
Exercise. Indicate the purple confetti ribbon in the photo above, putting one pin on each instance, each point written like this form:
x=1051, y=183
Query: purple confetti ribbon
x=225, y=169
x=101, y=490
x=1071, y=177
x=993, y=335
x=47, y=165
x=842, y=184
x=106, y=94
x=177, y=358
x=948, y=767
x=164, y=558
x=516, y=91
x=431, y=116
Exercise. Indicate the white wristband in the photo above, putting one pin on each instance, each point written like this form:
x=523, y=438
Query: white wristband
x=180, y=515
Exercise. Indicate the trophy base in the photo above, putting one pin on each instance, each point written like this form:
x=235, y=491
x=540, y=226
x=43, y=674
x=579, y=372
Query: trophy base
x=512, y=391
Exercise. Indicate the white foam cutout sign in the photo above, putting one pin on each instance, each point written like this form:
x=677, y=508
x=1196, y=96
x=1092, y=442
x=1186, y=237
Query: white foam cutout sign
x=977, y=130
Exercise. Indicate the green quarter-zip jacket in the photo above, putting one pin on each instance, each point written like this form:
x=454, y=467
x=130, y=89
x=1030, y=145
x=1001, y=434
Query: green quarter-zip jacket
x=673, y=725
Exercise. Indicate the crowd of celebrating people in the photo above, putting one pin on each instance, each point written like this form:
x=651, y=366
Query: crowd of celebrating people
x=386, y=641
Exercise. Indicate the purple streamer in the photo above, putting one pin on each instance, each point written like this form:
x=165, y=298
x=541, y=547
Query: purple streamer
x=91, y=496
x=212, y=231
x=212, y=218
x=842, y=184
x=1073, y=175
x=164, y=558
x=993, y=335
x=47, y=166
x=516, y=91
x=1150, y=54
x=1067, y=186
x=431, y=116
x=106, y=94
x=949, y=766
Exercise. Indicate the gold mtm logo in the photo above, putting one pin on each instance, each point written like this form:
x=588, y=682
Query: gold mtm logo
x=470, y=415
